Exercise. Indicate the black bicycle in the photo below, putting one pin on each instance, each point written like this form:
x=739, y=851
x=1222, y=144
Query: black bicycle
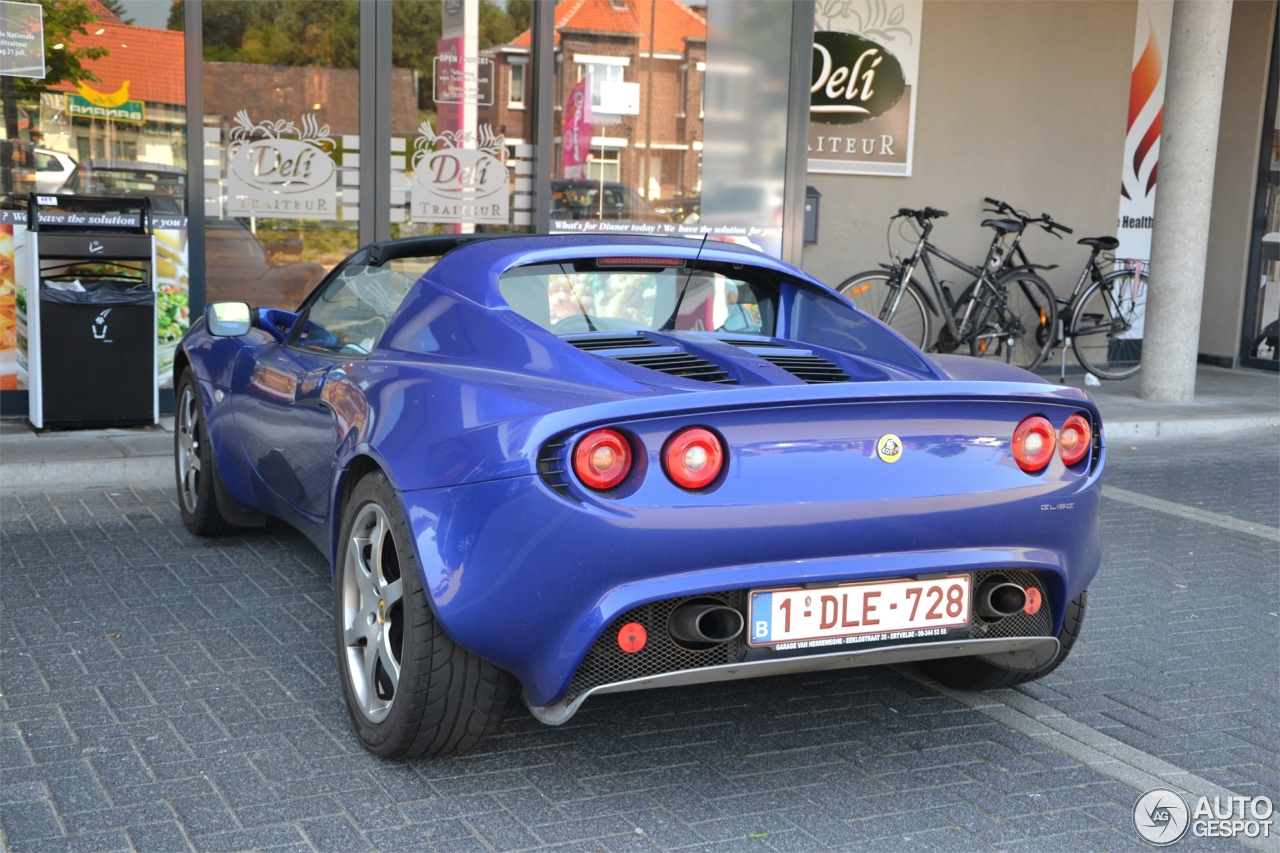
x=1006, y=312
x=1102, y=322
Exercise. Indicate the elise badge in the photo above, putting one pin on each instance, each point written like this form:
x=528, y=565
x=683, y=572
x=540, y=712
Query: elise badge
x=889, y=448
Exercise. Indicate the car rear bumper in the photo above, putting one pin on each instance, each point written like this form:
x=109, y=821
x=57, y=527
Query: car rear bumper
x=1032, y=649
x=530, y=581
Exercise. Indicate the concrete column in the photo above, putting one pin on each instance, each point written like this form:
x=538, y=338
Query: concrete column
x=1180, y=238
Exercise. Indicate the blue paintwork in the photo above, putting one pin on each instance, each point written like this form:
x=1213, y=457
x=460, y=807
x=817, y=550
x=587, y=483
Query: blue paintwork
x=462, y=393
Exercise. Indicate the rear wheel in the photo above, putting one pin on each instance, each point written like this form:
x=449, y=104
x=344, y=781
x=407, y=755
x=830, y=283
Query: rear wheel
x=193, y=462
x=1017, y=326
x=1103, y=324
x=410, y=690
x=873, y=293
x=977, y=674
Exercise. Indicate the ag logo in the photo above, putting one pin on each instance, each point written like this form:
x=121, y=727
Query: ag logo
x=889, y=448
x=1160, y=816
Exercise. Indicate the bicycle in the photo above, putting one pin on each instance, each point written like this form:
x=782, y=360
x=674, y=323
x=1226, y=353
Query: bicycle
x=1004, y=312
x=1104, y=320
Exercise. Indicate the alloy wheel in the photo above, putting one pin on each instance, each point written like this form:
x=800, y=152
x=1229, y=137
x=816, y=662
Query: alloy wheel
x=372, y=613
x=188, y=449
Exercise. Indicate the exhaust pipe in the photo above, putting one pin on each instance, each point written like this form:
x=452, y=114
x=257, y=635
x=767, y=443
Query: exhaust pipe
x=997, y=599
x=705, y=622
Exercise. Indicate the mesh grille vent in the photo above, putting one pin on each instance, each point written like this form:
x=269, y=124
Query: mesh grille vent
x=607, y=664
x=813, y=369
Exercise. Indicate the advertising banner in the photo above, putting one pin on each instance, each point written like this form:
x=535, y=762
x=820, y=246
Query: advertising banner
x=862, y=107
x=1142, y=139
x=578, y=127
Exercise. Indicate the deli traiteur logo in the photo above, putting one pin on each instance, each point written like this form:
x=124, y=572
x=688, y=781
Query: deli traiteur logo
x=854, y=79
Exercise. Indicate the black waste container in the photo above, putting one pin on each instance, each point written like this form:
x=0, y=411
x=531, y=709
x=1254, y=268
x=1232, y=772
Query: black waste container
x=97, y=350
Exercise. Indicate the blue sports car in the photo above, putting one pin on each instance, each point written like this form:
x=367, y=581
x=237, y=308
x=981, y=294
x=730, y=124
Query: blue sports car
x=590, y=464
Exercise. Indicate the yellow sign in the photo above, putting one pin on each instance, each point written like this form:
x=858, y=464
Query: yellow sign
x=104, y=99
x=889, y=448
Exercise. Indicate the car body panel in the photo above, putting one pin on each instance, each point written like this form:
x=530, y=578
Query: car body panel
x=463, y=400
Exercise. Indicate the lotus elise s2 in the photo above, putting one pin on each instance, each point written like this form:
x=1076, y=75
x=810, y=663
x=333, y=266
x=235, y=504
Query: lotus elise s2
x=580, y=465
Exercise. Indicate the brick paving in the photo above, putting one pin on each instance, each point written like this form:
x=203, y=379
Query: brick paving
x=163, y=693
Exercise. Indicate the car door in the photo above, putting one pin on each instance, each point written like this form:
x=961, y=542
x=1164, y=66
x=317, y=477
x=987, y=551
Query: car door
x=295, y=405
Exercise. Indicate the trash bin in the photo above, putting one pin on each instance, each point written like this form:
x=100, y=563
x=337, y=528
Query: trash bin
x=98, y=351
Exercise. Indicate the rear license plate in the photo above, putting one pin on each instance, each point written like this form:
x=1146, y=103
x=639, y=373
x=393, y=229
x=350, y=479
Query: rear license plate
x=798, y=615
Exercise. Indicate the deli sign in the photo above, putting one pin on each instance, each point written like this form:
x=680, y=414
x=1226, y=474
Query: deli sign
x=459, y=176
x=276, y=170
x=854, y=79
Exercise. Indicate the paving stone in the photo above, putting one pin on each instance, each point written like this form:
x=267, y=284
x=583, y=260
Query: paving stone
x=213, y=720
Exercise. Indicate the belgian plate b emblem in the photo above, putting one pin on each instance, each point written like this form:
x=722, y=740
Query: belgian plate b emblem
x=889, y=448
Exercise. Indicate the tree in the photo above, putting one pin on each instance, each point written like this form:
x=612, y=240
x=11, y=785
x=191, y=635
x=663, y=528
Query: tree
x=177, y=16
x=116, y=7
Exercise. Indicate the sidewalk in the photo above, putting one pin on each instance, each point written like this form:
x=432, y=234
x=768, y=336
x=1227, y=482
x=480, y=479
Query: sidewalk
x=1226, y=400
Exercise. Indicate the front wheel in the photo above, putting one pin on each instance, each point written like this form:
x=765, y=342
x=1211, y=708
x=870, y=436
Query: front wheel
x=873, y=292
x=193, y=462
x=1018, y=323
x=410, y=690
x=977, y=674
x=1106, y=326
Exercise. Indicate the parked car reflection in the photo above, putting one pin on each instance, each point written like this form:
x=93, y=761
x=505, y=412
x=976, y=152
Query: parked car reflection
x=241, y=268
x=600, y=200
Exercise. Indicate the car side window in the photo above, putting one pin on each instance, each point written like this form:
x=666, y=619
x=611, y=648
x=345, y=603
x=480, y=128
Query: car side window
x=349, y=316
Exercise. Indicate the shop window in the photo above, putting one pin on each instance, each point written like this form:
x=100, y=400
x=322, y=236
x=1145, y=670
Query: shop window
x=604, y=164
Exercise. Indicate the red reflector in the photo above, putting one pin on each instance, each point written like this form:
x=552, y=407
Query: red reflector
x=639, y=262
x=1033, y=444
x=693, y=458
x=632, y=637
x=1074, y=439
x=602, y=459
x=1032, y=607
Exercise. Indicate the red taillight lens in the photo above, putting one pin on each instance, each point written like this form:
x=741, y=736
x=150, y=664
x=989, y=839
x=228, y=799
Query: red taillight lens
x=602, y=459
x=1074, y=439
x=1033, y=444
x=693, y=458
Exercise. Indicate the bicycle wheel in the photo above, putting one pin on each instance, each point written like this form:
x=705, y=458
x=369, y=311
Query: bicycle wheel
x=1018, y=325
x=873, y=293
x=1106, y=326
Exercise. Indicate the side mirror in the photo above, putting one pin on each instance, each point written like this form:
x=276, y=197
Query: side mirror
x=228, y=319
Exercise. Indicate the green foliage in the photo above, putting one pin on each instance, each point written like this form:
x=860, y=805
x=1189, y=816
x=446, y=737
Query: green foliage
x=177, y=16
x=63, y=21
x=116, y=8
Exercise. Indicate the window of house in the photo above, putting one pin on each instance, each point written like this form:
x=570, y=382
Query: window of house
x=604, y=164
x=515, y=92
x=600, y=74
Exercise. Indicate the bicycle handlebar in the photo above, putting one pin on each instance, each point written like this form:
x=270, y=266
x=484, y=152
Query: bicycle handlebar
x=921, y=215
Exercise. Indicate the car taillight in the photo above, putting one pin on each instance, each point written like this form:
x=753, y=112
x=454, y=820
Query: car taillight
x=1033, y=444
x=693, y=458
x=1074, y=439
x=602, y=459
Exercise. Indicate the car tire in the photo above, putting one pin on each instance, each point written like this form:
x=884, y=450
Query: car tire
x=193, y=462
x=971, y=673
x=417, y=693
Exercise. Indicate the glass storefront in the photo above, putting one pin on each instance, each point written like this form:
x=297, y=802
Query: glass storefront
x=325, y=124
x=1262, y=315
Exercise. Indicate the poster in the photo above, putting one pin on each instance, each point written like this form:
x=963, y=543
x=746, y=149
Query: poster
x=862, y=95
x=21, y=40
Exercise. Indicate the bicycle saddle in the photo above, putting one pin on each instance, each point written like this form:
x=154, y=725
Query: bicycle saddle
x=1004, y=226
x=1102, y=244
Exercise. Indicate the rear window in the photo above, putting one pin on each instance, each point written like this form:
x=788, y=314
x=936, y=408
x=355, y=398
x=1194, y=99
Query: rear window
x=566, y=299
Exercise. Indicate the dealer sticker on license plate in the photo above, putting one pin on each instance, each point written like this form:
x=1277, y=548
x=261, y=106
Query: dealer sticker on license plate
x=858, y=612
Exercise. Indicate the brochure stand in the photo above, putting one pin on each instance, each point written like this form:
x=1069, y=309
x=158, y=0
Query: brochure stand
x=92, y=352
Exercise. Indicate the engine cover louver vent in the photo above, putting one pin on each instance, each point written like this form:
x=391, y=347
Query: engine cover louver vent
x=598, y=342
x=680, y=363
x=644, y=352
x=813, y=369
x=800, y=363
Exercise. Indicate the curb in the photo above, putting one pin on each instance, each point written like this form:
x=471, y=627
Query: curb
x=1186, y=427
x=120, y=471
